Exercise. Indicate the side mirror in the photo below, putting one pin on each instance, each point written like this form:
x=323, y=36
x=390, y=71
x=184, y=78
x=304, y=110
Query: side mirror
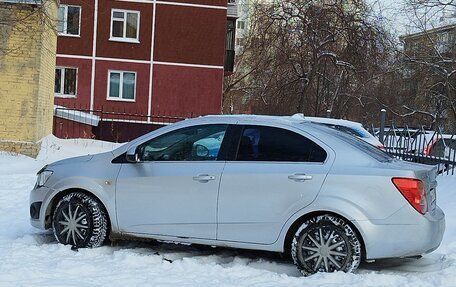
x=132, y=155
x=201, y=151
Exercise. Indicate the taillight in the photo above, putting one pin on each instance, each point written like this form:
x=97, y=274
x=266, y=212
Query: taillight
x=381, y=147
x=413, y=190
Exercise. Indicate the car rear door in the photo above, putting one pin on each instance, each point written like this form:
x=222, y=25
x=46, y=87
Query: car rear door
x=276, y=172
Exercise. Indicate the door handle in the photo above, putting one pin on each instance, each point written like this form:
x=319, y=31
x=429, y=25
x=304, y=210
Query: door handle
x=203, y=177
x=300, y=177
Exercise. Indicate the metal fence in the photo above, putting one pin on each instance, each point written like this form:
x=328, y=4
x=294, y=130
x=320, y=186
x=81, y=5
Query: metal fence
x=106, y=125
x=421, y=145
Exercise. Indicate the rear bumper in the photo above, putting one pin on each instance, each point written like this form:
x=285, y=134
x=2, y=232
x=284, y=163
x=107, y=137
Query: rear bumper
x=384, y=240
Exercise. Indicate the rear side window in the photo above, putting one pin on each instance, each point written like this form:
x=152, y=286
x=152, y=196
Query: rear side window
x=261, y=143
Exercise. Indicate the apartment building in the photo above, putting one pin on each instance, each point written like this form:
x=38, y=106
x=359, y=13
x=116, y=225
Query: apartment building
x=151, y=57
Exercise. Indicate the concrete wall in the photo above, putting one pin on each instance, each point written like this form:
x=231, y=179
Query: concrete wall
x=27, y=71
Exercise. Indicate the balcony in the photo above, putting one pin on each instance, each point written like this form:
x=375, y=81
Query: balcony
x=229, y=61
x=229, y=45
x=232, y=9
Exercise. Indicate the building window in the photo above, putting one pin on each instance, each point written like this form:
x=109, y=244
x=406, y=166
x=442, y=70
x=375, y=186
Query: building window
x=65, y=82
x=443, y=44
x=240, y=24
x=125, y=26
x=69, y=22
x=122, y=86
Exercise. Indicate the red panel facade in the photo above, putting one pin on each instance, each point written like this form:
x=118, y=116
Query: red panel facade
x=64, y=129
x=79, y=45
x=140, y=105
x=114, y=49
x=198, y=37
x=201, y=2
x=82, y=99
x=186, y=91
x=189, y=50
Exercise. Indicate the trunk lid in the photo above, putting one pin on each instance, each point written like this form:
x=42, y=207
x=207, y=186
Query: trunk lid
x=429, y=178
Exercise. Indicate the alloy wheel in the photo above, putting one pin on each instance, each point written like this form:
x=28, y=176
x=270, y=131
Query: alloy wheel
x=326, y=243
x=72, y=224
x=324, y=249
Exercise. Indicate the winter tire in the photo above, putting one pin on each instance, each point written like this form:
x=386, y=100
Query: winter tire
x=326, y=243
x=80, y=220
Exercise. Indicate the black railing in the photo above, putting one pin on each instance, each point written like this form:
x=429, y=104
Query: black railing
x=106, y=125
x=432, y=147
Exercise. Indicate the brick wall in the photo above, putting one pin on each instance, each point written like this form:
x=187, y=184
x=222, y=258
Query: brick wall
x=27, y=69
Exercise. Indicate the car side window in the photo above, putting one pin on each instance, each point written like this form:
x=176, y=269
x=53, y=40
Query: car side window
x=262, y=143
x=198, y=143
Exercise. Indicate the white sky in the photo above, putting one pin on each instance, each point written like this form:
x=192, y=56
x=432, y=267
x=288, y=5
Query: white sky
x=401, y=20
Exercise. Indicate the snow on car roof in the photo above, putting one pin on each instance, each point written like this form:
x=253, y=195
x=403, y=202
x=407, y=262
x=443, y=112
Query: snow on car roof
x=331, y=121
x=258, y=118
x=296, y=118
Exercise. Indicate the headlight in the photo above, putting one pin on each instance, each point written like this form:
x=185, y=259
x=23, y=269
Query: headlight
x=43, y=176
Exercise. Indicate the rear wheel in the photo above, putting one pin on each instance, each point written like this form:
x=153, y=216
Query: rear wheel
x=80, y=220
x=326, y=243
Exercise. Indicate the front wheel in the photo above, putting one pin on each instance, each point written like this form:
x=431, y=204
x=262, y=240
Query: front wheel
x=80, y=220
x=326, y=243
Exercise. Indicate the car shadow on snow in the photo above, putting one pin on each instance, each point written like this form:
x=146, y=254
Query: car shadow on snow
x=428, y=263
x=44, y=238
x=202, y=254
x=280, y=263
x=262, y=260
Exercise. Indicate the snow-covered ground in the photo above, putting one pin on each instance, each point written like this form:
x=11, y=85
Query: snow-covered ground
x=30, y=257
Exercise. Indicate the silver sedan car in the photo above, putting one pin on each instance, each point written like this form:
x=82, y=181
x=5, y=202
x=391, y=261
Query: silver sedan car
x=279, y=184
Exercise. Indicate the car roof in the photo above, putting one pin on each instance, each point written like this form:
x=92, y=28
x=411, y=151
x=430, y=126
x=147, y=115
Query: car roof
x=256, y=118
x=294, y=119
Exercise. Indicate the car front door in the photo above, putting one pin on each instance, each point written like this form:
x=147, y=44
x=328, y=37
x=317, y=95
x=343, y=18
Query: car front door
x=172, y=190
x=276, y=172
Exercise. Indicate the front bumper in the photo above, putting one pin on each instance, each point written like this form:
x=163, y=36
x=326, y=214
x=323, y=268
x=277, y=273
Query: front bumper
x=35, y=209
x=39, y=197
x=386, y=240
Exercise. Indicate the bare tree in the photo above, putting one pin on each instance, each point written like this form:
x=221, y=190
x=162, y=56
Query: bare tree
x=429, y=64
x=311, y=56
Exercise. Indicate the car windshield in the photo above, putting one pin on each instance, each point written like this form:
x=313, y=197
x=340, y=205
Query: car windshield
x=365, y=147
